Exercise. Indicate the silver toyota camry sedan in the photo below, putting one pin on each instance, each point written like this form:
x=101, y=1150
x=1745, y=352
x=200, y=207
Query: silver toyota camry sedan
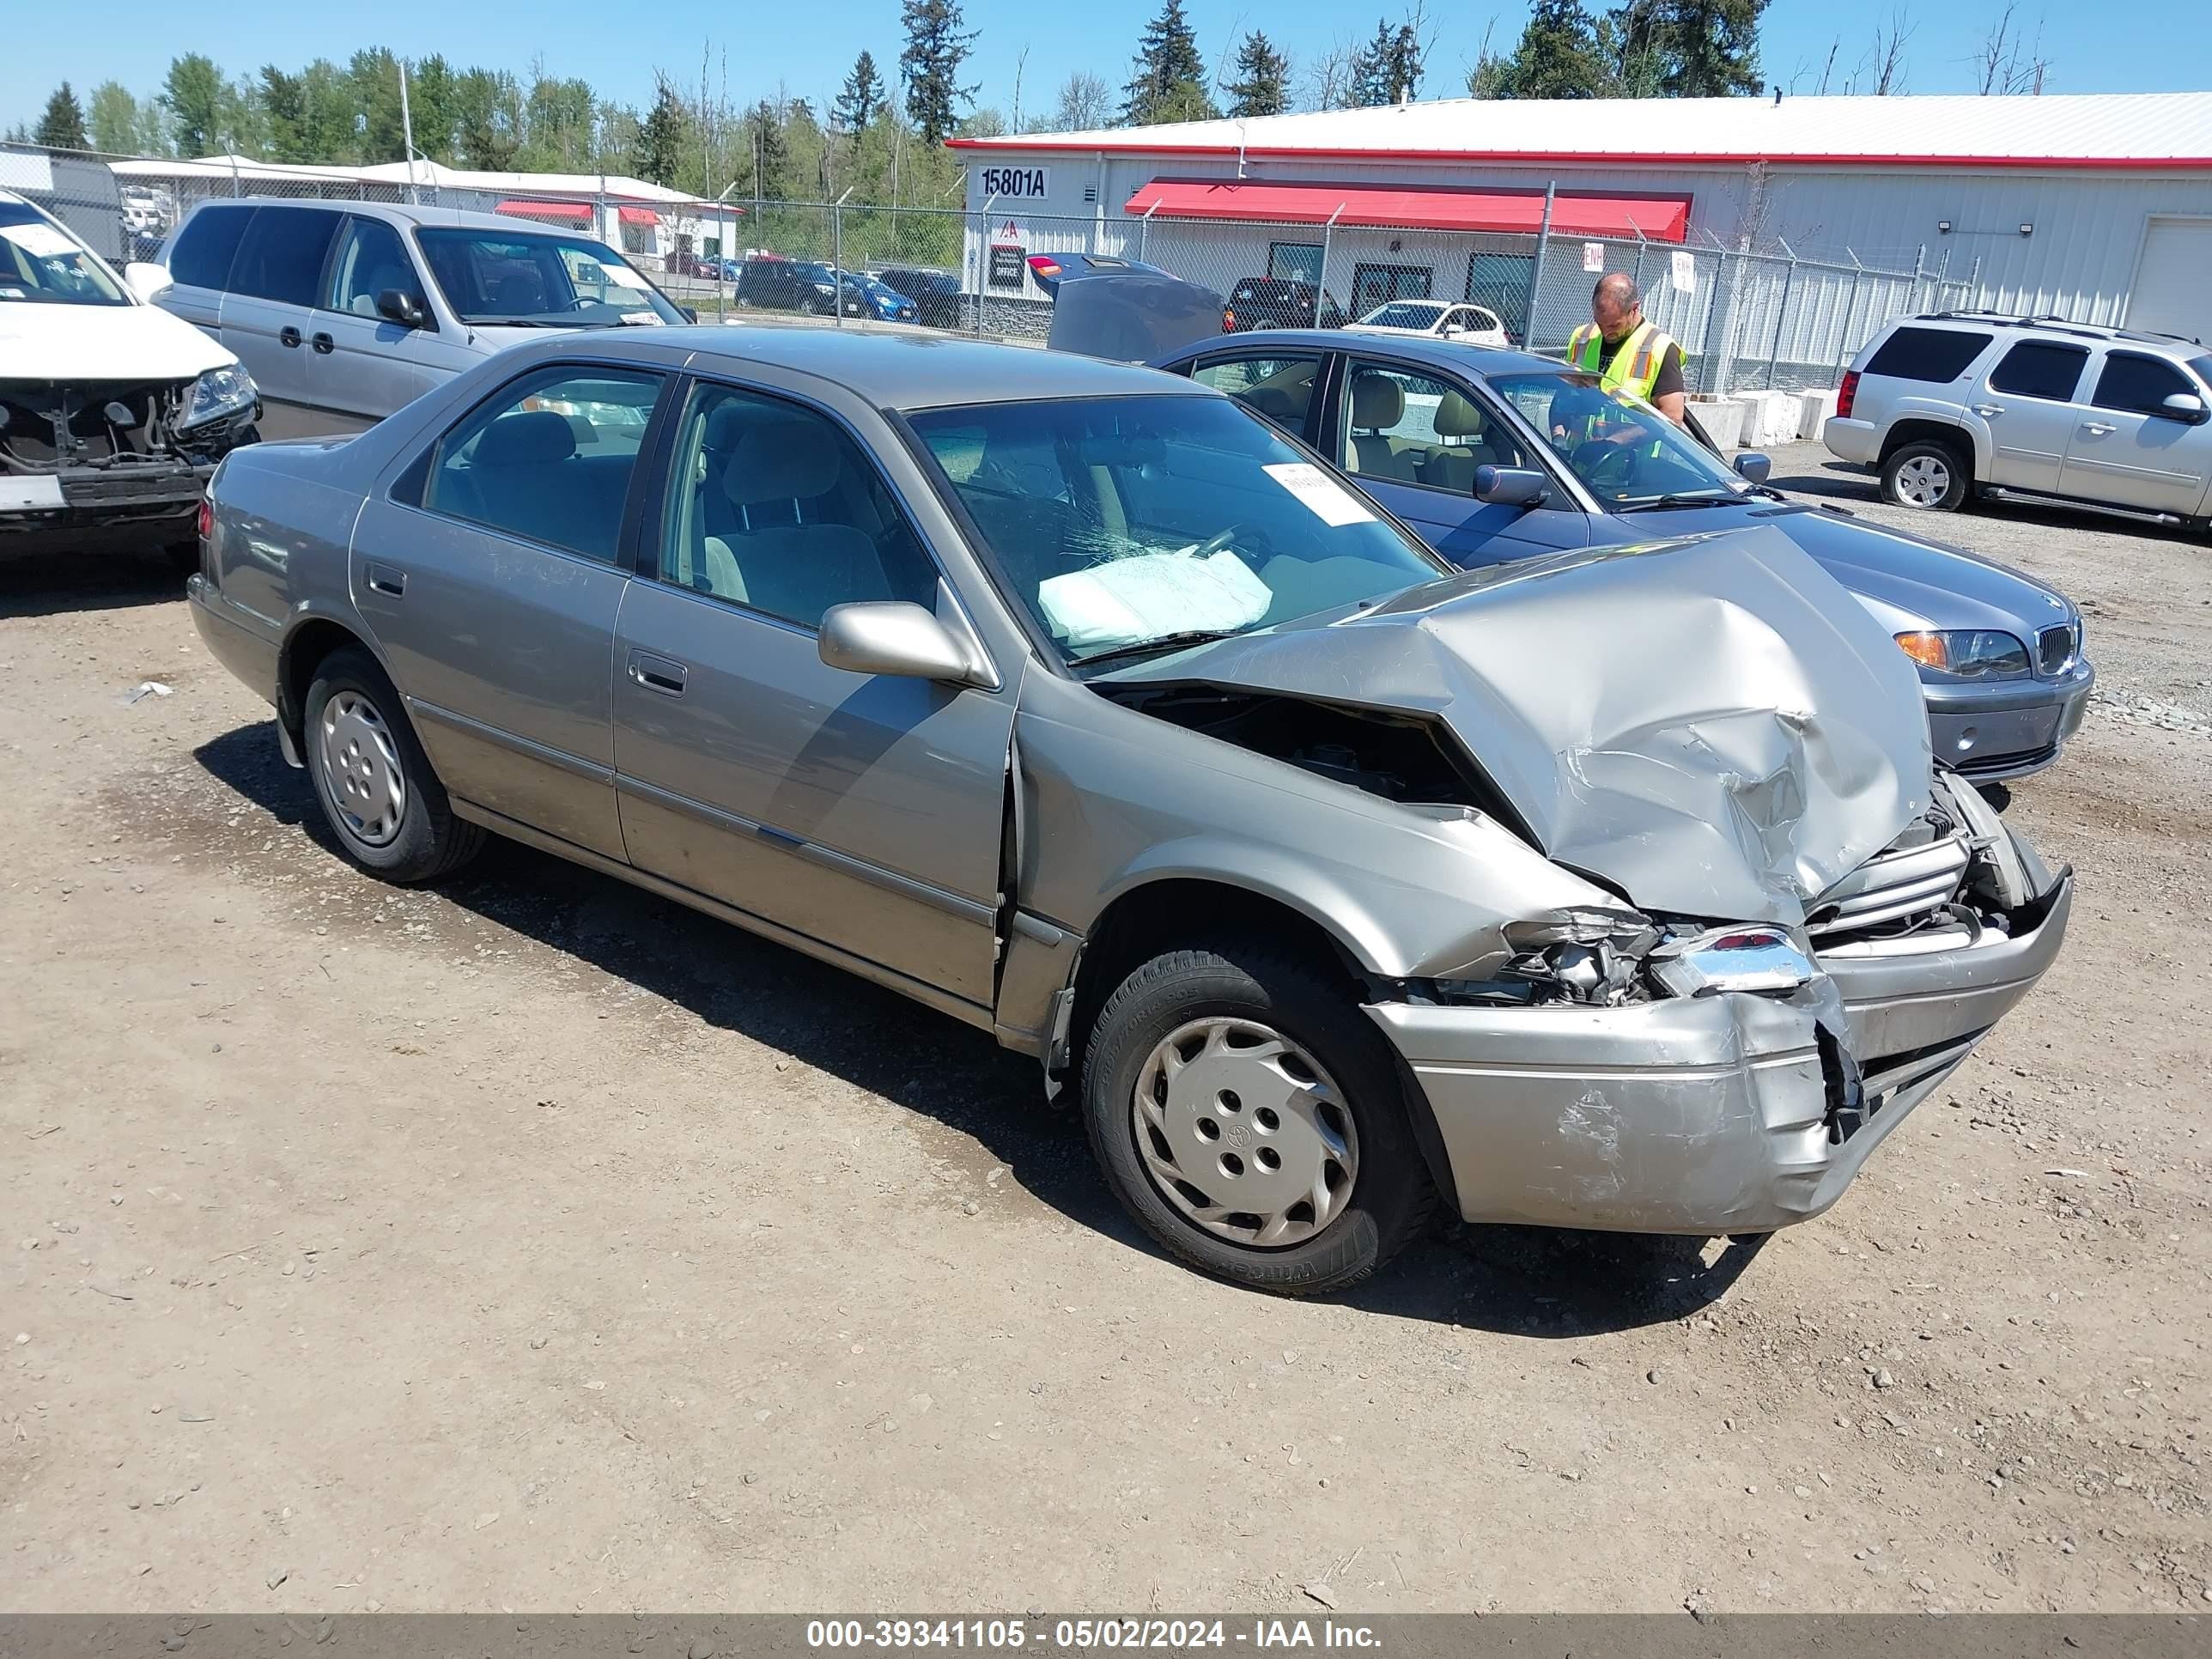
x=1611, y=889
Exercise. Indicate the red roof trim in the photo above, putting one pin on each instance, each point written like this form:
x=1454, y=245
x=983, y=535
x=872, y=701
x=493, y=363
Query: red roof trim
x=516, y=208
x=1563, y=158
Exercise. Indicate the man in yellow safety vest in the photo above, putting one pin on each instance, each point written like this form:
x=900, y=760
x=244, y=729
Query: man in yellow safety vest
x=1627, y=353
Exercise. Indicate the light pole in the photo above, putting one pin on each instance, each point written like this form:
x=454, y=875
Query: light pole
x=727, y=241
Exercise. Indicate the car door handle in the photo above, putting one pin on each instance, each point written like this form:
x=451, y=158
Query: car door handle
x=1989, y=411
x=385, y=580
x=324, y=343
x=657, y=673
x=287, y=336
x=2097, y=428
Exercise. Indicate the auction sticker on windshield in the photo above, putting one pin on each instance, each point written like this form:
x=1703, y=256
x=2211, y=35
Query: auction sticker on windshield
x=39, y=242
x=1327, y=500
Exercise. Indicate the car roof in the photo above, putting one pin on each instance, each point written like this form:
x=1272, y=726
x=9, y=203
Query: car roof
x=2178, y=345
x=410, y=213
x=927, y=370
x=1456, y=354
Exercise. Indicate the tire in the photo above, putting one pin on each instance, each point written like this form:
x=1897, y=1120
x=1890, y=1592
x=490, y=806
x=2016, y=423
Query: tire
x=356, y=728
x=1928, y=474
x=1216, y=1002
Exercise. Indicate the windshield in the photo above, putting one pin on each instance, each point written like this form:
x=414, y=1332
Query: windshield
x=1625, y=453
x=43, y=264
x=1120, y=522
x=539, y=280
x=1404, y=313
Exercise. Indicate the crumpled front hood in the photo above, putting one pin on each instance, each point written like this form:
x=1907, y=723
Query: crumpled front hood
x=1711, y=725
x=74, y=343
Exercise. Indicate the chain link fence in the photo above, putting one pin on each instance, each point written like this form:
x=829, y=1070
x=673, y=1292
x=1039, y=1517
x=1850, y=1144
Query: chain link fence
x=1746, y=320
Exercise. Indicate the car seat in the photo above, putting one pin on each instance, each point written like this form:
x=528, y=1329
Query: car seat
x=1378, y=401
x=783, y=556
x=1451, y=466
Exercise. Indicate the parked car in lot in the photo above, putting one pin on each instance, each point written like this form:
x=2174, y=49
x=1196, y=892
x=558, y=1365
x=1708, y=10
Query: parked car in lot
x=1613, y=889
x=1278, y=302
x=112, y=414
x=343, y=312
x=1489, y=456
x=1964, y=403
x=1440, y=319
x=936, y=293
x=802, y=285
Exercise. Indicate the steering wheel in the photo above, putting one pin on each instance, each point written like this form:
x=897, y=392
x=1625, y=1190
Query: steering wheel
x=1605, y=467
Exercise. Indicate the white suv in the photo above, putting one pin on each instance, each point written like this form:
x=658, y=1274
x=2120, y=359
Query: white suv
x=1962, y=402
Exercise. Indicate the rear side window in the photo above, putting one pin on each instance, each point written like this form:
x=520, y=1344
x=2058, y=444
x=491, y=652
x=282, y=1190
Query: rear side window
x=1280, y=388
x=281, y=257
x=1927, y=354
x=206, y=246
x=2139, y=385
x=2037, y=369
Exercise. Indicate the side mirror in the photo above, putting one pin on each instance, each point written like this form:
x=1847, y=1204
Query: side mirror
x=2183, y=406
x=893, y=637
x=691, y=312
x=146, y=280
x=1754, y=467
x=396, y=304
x=1509, y=486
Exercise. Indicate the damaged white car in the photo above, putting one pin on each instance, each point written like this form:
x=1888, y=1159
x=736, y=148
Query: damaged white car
x=1615, y=889
x=112, y=413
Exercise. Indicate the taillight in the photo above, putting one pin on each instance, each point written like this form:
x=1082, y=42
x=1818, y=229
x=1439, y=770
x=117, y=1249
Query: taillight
x=1845, y=393
x=206, y=518
x=1047, y=267
x=1228, y=322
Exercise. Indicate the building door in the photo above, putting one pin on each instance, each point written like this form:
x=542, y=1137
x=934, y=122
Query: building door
x=1294, y=261
x=2170, y=295
x=1500, y=282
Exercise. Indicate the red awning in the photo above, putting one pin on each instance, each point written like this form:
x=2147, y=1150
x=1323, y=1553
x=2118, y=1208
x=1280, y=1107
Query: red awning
x=1659, y=218
x=637, y=215
x=579, y=211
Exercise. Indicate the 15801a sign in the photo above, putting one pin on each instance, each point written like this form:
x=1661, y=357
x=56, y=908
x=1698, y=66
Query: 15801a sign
x=1017, y=183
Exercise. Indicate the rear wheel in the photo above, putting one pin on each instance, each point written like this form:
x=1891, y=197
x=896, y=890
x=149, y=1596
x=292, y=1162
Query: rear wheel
x=1926, y=473
x=377, y=791
x=1253, y=1121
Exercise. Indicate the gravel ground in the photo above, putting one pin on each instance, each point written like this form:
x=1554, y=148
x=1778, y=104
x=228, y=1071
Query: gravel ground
x=534, y=1244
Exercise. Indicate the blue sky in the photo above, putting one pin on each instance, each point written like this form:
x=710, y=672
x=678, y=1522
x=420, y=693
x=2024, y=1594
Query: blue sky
x=2145, y=46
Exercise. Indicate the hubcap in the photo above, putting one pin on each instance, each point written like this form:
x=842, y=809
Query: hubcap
x=1243, y=1132
x=1924, y=481
x=361, y=773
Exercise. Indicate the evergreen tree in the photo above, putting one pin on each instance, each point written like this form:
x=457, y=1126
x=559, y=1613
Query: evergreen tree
x=1388, y=67
x=765, y=150
x=661, y=136
x=192, y=94
x=1262, y=82
x=284, y=112
x=61, y=127
x=432, y=86
x=1559, y=56
x=863, y=96
x=936, y=47
x=1168, y=81
x=1686, y=48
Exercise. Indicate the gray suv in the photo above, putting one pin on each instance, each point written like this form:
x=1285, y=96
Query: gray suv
x=345, y=312
x=1964, y=402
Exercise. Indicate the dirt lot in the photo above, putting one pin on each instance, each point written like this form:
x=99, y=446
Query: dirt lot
x=535, y=1244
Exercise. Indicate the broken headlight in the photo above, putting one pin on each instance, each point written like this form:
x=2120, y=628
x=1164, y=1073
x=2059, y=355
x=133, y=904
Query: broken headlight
x=1760, y=959
x=218, y=395
x=1582, y=953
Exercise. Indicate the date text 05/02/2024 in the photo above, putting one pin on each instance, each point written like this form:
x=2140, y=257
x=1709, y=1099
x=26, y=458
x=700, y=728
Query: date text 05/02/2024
x=1089, y=1635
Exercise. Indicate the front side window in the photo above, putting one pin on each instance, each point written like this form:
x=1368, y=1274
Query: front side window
x=549, y=459
x=2139, y=386
x=42, y=264
x=2039, y=368
x=1280, y=388
x=1414, y=430
x=773, y=507
x=1625, y=453
x=1129, y=525
x=370, y=260
x=281, y=257
x=527, y=279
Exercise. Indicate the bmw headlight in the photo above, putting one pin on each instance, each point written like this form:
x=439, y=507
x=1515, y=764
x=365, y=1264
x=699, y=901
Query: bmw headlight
x=1967, y=653
x=218, y=395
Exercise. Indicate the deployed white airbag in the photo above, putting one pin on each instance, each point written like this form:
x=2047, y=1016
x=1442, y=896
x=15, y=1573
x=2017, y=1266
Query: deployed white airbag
x=1148, y=596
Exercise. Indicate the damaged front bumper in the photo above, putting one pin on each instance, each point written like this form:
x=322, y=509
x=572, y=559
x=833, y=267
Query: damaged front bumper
x=1722, y=1114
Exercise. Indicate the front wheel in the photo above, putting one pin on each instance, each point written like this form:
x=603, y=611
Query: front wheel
x=1253, y=1121
x=1925, y=474
x=377, y=791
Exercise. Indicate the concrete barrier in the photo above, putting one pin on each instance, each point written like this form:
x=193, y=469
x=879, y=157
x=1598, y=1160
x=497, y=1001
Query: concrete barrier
x=1722, y=418
x=1814, y=409
x=1769, y=417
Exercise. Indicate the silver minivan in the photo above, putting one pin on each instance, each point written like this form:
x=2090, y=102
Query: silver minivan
x=345, y=312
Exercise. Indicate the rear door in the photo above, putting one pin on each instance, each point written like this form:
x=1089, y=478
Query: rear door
x=362, y=366
x=2127, y=449
x=1282, y=387
x=2028, y=399
x=268, y=312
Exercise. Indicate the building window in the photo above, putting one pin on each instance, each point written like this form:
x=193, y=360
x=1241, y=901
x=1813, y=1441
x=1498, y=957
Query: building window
x=1500, y=282
x=637, y=239
x=1374, y=285
x=1296, y=262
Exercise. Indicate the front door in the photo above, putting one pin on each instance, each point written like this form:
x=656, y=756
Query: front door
x=362, y=366
x=863, y=811
x=1414, y=441
x=2129, y=450
x=2028, y=403
x=268, y=311
x=493, y=592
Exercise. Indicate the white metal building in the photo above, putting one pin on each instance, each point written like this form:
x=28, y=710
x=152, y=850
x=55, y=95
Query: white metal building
x=2097, y=208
